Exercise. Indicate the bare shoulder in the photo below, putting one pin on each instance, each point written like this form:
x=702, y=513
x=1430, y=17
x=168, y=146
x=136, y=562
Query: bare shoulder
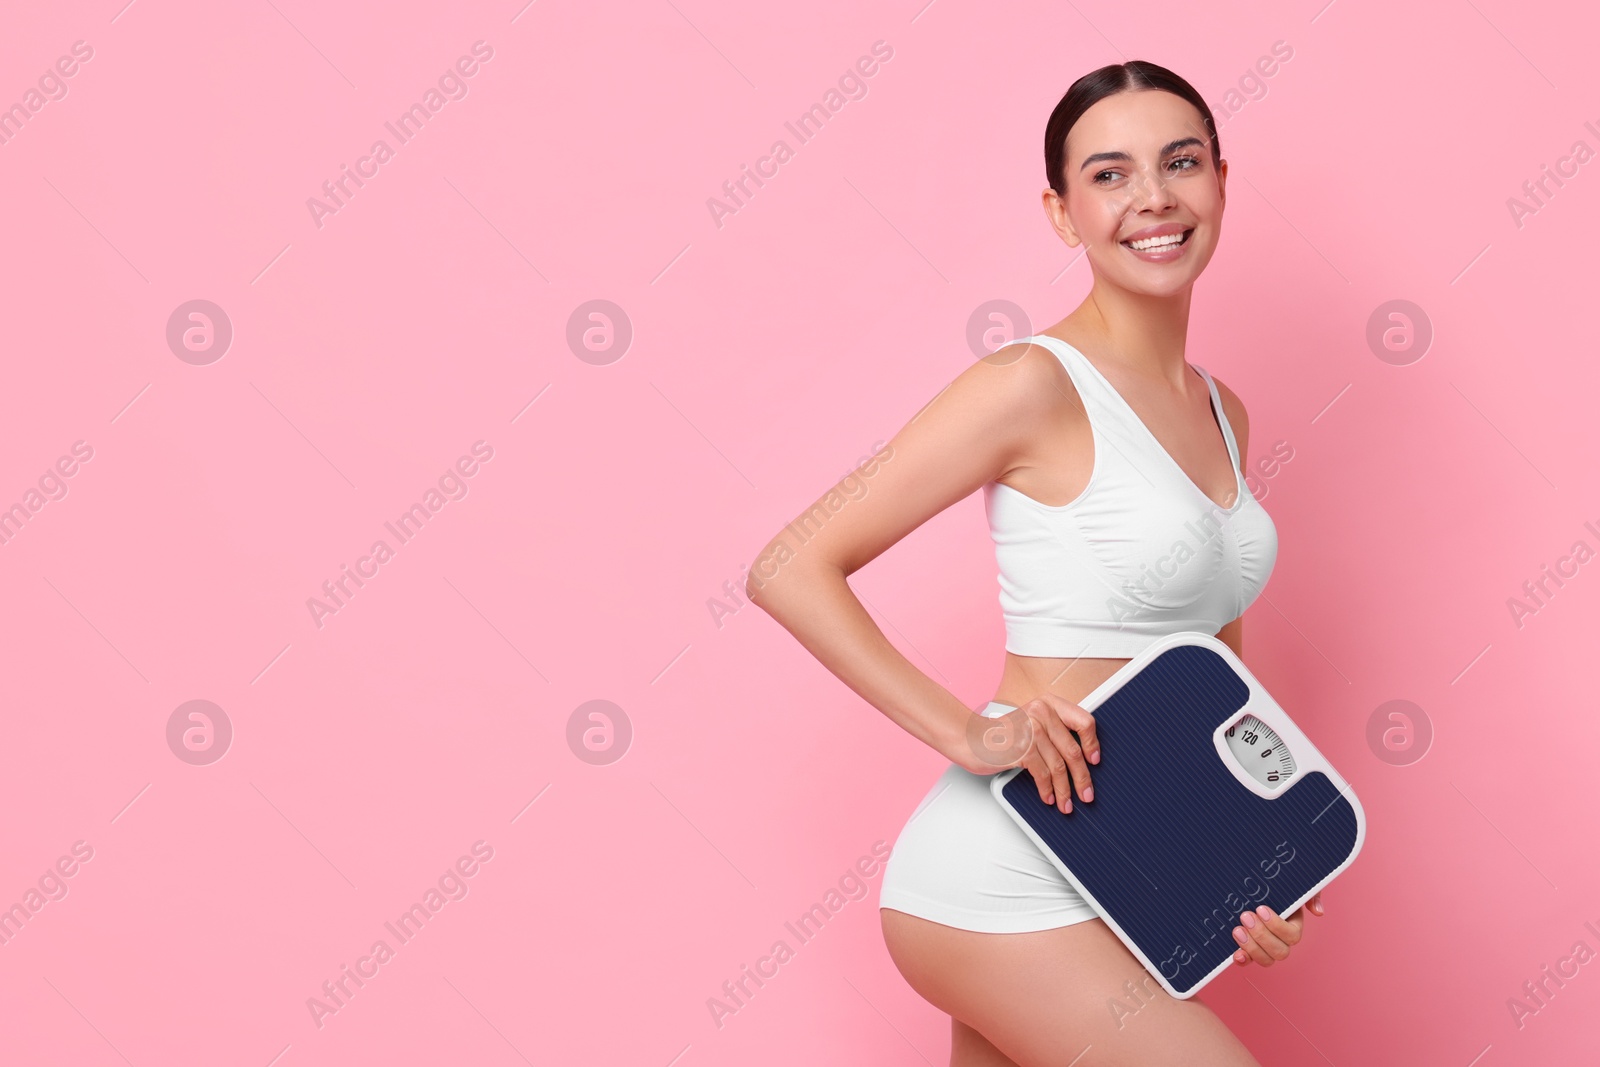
x=985, y=423
x=1011, y=395
x=1238, y=417
x=1034, y=379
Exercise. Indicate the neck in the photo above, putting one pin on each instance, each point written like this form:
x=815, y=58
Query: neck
x=1146, y=334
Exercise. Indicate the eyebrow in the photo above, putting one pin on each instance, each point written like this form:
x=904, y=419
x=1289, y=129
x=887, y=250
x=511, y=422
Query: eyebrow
x=1123, y=157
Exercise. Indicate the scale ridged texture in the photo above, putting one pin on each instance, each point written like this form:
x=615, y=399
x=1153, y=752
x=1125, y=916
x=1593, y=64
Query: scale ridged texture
x=1171, y=833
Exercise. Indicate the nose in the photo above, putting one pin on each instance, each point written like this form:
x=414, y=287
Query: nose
x=1151, y=191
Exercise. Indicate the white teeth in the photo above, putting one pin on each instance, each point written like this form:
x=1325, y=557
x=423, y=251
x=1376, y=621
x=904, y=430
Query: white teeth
x=1156, y=242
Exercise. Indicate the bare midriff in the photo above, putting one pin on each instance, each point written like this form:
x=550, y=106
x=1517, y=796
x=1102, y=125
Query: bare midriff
x=1025, y=677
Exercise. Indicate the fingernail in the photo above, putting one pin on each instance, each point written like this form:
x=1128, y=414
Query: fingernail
x=1088, y=793
x=1239, y=935
x=1094, y=757
x=1238, y=957
x=1249, y=919
x=1266, y=912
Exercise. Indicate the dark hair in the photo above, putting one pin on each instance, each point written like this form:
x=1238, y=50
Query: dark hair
x=1109, y=81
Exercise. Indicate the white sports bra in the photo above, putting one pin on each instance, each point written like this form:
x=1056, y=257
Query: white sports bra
x=1141, y=553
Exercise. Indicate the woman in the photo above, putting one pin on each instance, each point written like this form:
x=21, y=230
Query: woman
x=1111, y=476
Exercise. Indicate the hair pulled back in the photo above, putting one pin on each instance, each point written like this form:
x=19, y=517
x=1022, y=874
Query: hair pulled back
x=1110, y=80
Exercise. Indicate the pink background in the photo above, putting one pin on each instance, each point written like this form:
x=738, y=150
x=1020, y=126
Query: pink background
x=767, y=355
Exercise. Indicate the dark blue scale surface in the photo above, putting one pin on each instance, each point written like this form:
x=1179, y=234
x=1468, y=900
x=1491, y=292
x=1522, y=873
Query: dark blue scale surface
x=1173, y=847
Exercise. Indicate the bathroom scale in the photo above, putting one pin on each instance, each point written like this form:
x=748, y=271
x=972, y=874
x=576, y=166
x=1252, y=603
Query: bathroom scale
x=1208, y=802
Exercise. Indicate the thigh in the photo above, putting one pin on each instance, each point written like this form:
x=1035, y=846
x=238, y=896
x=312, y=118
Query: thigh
x=1071, y=995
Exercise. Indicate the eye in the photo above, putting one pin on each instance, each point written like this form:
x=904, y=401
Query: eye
x=1101, y=175
x=1193, y=161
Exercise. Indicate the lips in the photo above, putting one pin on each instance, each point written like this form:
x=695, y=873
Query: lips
x=1156, y=238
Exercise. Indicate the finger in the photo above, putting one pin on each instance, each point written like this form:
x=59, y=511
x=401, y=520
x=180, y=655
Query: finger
x=1316, y=903
x=1060, y=782
x=1248, y=947
x=1082, y=722
x=1042, y=775
x=1036, y=762
x=1052, y=784
x=1072, y=753
x=1046, y=752
x=1289, y=930
x=1264, y=938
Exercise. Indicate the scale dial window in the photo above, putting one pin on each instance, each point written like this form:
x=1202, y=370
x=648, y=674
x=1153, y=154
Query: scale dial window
x=1261, y=752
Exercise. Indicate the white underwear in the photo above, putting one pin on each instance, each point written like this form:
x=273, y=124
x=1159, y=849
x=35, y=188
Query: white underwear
x=961, y=861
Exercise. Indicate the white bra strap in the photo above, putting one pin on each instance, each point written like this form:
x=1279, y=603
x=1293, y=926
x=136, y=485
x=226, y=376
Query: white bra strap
x=1222, y=417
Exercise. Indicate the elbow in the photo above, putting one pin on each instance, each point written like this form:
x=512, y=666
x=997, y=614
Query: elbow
x=777, y=576
x=752, y=592
x=758, y=583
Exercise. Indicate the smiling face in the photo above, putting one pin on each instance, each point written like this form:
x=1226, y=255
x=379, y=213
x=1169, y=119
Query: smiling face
x=1142, y=193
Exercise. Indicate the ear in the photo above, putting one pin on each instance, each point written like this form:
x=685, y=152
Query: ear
x=1222, y=182
x=1055, y=209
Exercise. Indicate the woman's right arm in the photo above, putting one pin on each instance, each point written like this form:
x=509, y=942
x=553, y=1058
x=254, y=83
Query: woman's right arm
x=975, y=431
